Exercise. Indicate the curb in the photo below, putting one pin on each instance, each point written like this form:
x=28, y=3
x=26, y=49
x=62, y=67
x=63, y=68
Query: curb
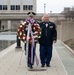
x=71, y=50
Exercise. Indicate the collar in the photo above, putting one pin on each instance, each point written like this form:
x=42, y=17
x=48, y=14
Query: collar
x=47, y=22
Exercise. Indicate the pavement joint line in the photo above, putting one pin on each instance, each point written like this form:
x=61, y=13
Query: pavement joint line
x=4, y=74
x=56, y=69
x=17, y=69
x=7, y=61
x=10, y=66
x=59, y=47
x=26, y=72
x=8, y=69
x=55, y=66
x=61, y=61
x=58, y=74
x=3, y=59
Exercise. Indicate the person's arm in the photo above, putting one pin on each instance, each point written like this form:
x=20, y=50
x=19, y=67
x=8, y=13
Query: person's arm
x=41, y=31
x=54, y=34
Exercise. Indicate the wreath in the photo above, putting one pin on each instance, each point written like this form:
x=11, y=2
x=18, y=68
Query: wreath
x=23, y=28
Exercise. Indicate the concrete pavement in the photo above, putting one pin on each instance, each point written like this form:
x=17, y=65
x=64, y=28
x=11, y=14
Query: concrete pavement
x=10, y=59
x=66, y=56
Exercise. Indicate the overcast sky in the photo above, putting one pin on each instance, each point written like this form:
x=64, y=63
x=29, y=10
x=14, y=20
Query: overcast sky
x=56, y=6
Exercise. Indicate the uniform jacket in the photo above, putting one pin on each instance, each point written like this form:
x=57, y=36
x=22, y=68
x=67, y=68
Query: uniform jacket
x=49, y=33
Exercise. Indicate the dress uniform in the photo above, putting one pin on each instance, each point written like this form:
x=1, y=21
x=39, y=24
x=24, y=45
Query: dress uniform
x=49, y=34
x=32, y=21
x=29, y=32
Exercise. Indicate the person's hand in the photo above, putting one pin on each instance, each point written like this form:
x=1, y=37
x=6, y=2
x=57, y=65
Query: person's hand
x=54, y=41
x=37, y=41
x=30, y=42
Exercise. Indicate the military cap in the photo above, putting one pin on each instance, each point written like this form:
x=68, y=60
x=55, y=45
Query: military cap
x=31, y=13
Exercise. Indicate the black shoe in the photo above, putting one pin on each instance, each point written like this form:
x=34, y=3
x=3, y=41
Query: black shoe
x=42, y=65
x=31, y=66
x=48, y=65
x=28, y=65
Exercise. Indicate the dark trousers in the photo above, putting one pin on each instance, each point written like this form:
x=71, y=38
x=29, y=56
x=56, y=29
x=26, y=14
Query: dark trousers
x=29, y=54
x=45, y=54
x=25, y=47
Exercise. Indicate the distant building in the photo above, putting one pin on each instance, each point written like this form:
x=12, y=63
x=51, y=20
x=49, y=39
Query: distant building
x=66, y=9
x=17, y=6
x=69, y=13
x=11, y=12
x=72, y=9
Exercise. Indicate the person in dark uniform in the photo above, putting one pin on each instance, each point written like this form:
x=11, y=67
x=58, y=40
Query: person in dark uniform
x=48, y=36
x=31, y=16
x=31, y=21
x=29, y=32
x=42, y=20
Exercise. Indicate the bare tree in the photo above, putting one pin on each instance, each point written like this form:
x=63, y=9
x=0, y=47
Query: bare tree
x=69, y=15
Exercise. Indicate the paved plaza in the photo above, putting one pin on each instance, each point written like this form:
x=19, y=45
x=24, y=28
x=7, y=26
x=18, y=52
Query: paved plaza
x=10, y=63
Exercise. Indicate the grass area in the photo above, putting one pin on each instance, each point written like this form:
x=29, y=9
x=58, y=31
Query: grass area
x=70, y=43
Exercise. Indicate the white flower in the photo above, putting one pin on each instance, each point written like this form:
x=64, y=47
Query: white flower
x=35, y=36
x=24, y=34
x=23, y=37
x=40, y=32
x=20, y=25
x=18, y=37
x=20, y=33
x=34, y=28
x=39, y=36
x=18, y=29
x=34, y=24
x=23, y=23
x=39, y=27
x=35, y=32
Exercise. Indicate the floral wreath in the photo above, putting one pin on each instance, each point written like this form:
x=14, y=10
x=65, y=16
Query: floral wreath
x=22, y=31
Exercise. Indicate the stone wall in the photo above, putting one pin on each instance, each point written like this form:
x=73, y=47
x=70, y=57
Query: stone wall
x=65, y=30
